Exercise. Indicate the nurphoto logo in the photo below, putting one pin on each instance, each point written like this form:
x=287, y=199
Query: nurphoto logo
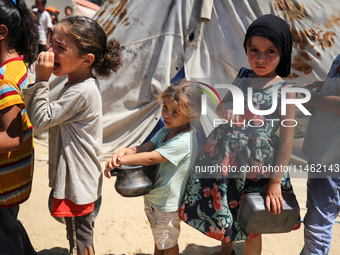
x=238, y=103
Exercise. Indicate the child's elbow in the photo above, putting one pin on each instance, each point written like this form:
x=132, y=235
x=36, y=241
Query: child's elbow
x=151, y=160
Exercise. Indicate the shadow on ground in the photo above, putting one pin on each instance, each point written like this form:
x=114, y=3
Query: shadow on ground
x=189, y=250
x=203, y=250
x=199, y=249
x=54, y=251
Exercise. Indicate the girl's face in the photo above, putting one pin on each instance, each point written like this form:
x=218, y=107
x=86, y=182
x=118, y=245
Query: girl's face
x=263, y=57
x=173, y=118
x=66, y=53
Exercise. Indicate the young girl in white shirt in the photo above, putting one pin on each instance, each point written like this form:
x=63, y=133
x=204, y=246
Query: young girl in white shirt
x=79, y=50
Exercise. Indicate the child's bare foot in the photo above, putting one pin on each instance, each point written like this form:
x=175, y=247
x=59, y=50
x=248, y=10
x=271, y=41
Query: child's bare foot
x=226, y=249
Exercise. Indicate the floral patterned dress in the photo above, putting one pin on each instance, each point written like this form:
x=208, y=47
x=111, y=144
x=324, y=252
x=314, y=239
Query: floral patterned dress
x=211, y=202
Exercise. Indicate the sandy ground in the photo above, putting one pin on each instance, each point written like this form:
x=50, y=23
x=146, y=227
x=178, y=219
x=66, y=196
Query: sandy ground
x=122, y=227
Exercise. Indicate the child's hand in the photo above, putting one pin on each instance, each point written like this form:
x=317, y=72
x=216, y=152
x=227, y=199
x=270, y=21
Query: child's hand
x=274, y=197
x=112, y=163
x=44, y=66
x=226, y=113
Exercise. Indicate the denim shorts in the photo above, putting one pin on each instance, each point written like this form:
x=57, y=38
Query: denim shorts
x=165, y=226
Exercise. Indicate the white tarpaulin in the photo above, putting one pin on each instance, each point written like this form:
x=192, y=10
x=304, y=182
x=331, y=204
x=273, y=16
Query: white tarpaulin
x=205, y=37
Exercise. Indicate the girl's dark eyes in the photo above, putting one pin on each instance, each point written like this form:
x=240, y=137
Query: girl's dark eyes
x=268, y=51
x=59, y=46
x=166, y=108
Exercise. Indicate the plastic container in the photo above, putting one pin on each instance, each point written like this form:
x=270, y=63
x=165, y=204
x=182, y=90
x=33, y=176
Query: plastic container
x=255, y=219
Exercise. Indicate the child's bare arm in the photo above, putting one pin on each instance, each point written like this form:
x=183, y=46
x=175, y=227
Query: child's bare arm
x=225, y=111
x=144, y=158
x=11, y=122
x=273, y=189
x=115, y=160
x=315, y=85
x=327, y=103
x=49, y=35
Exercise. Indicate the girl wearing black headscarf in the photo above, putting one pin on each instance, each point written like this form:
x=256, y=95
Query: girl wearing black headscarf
x=243, y=153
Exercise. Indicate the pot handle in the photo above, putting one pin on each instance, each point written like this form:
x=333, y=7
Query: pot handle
x=117, y=173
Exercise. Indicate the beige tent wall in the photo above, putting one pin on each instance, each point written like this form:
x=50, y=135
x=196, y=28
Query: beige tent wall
x=205, y=37
x=155, y=36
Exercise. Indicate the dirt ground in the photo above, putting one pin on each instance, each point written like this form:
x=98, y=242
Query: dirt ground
x=122, y=227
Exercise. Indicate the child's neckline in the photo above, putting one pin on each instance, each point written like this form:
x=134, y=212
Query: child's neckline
x=268, y=87
x=11, y=60
x=169, y=130
x=272, y=82
x=68, y=85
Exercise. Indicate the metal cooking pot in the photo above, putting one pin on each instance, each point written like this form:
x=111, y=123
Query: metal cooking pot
x=133, y=181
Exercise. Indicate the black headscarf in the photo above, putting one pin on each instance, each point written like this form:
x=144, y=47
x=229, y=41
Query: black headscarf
x=277, y=31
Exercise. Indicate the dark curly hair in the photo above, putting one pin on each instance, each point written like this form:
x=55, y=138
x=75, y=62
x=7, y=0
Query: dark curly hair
x=89, y=37
x=22, y=30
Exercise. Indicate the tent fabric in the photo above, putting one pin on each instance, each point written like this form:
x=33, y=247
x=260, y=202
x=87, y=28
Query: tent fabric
x=153, y=52
x=205, y=37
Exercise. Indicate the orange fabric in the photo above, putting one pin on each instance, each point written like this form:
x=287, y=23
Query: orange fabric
x=66, y=208
x=52, y=9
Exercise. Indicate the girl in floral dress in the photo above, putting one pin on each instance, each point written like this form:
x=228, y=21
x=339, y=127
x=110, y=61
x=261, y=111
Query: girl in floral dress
x=211, y=203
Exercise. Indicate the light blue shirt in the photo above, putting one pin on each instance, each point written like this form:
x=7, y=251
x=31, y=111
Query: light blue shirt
x=172, y=175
